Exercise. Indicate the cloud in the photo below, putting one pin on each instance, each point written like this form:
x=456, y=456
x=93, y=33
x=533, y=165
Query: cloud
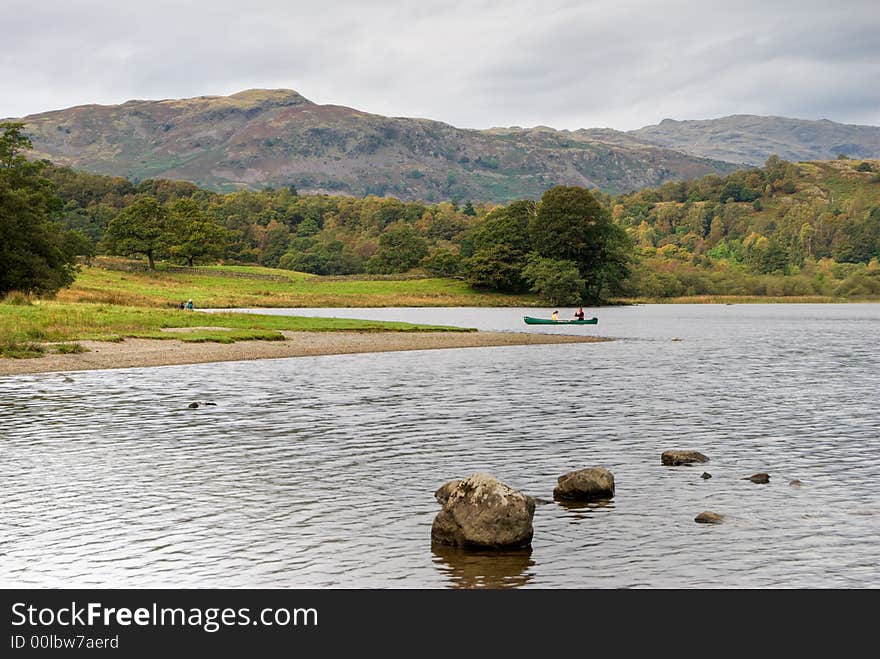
x=616, y=63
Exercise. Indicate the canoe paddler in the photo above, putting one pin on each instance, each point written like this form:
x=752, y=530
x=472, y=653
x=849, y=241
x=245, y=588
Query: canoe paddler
x=554, y=315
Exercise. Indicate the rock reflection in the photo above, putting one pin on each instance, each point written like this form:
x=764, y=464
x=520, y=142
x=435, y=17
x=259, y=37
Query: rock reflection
x=582, y=509
x=484, y=569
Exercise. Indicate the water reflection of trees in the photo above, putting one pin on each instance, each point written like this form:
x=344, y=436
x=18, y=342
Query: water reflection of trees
x=484, y=569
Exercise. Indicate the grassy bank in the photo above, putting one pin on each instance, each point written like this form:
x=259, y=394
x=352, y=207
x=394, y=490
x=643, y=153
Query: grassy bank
x=745, y=299
x=237, y=286
x=29, y=330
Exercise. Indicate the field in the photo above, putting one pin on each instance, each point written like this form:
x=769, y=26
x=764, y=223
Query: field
x=111, y=305
x=251, y=286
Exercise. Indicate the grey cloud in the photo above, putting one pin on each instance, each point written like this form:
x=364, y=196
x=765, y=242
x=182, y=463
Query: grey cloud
x=616, y=63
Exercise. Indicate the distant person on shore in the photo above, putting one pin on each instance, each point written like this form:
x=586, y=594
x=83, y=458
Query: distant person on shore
x=579, y=314
x=554, y=315
x=189, y=305
x=181, y=306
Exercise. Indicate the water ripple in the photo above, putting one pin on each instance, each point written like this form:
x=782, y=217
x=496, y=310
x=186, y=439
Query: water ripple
x=319, y=472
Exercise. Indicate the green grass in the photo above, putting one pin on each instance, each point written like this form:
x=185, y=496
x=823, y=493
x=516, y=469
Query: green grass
x=213, y=287
x=54, y=322
x=20, y=350
x=69, y=348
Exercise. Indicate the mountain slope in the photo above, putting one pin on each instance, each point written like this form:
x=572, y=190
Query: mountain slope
x=751, y=139
x=262, y=138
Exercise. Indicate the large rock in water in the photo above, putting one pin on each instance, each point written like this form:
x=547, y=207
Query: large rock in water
x=585, y=485
x=676, y=458
x=483, y=512
x=708, y=517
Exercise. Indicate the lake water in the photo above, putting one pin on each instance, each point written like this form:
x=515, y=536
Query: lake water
x=320, y=471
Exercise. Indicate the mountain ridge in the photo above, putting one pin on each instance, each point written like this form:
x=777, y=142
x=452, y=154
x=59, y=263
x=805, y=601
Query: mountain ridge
x=278, y=137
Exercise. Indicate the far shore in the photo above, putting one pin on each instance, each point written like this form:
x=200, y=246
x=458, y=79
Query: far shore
x=133, y=353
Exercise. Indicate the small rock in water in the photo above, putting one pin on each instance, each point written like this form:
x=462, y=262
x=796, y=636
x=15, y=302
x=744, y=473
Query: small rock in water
x=795, y=483
x=708, y=517
x=760, y=479
x=675, y=458
x=705, y=475
x=677, y=339
x=585, y=485
x=209, y=403
x=193, y=406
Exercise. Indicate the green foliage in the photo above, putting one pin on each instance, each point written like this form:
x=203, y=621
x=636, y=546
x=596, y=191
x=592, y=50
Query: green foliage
x=400, y=249
x=497, y=267
x=195, y=237
x=142, y=228
x=37, y=254
x=443, y=262
x=333, y=258
x=571, y=225
x=555, y=280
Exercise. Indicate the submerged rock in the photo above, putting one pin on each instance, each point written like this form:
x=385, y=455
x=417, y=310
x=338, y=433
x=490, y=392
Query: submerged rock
x=760, y=479
x=705, y=475
x=795, y=483
x=675, y=458
x=708, y=517
x=585, y=485
x=483, y=512
x=443, y=492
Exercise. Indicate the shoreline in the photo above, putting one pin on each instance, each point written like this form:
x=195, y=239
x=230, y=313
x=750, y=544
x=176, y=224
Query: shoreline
x=136, y=353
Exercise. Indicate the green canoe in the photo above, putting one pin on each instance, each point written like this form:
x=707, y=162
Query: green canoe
x=546, y=321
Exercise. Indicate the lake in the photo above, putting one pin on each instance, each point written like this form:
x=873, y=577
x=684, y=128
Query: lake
x=320, y=471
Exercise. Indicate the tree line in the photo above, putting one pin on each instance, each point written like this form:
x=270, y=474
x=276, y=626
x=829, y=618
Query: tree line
x=782, y=229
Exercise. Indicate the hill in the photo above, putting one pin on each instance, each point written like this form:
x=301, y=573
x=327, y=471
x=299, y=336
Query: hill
x=259, y=138
x=750, y=139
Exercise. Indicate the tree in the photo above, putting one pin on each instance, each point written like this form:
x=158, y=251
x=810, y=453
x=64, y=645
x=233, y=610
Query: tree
x=443, y=262
x=557, y=281
x=142, y=228
x=37, y=255
x=571, y=225
x=499, y=248
x=400, y=249
x=498, y=267
x=194, y=235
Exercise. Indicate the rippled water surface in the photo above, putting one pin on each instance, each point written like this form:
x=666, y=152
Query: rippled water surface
x=319, y=471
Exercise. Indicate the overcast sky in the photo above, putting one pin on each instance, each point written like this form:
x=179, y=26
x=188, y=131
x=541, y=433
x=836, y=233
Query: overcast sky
x=617, y=63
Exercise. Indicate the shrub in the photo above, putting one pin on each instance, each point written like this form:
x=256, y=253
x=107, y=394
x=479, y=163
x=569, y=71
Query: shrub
x=18, y=299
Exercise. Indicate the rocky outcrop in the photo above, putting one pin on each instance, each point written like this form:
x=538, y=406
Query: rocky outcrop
x=705, y=475
x=585, y=485
x=483, y=512
x=675, y=458
x=760, y=479
x=708, y=517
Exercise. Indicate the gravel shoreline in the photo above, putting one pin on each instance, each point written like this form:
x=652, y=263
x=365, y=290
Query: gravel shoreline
x=133, y=353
